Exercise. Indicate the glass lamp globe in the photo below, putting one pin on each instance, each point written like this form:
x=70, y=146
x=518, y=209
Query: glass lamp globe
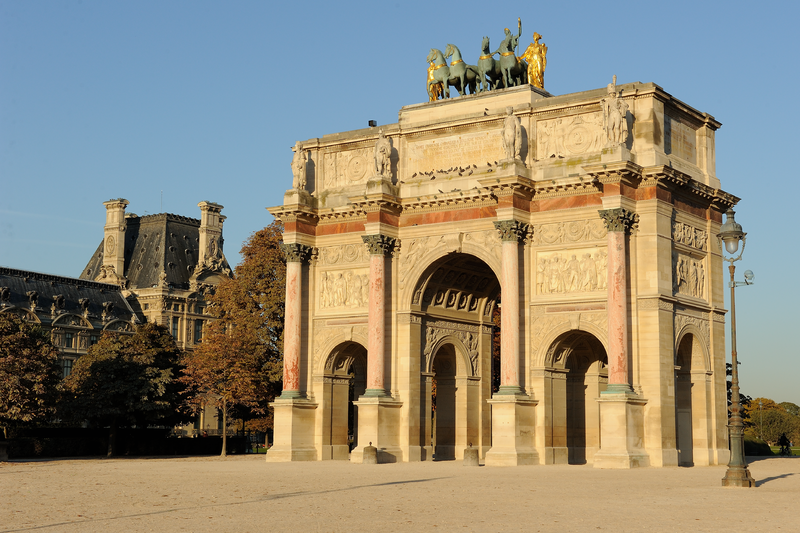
x=731, y=233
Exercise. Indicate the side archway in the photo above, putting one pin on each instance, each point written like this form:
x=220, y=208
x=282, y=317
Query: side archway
x=343, y=381
x=692, y=396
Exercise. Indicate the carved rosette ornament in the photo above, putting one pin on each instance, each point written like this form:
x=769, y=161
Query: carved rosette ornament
x=296, y=253
x=619, y=219
x=379, y=244
x=512, y=230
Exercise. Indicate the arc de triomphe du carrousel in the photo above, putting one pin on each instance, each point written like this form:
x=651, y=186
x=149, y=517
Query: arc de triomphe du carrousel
x=579, y=230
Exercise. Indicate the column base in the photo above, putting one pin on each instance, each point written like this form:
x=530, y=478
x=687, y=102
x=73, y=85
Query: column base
x=294, y=431
x=738, y=477
x=512, y=431
x=621, y=431
x=378, y=426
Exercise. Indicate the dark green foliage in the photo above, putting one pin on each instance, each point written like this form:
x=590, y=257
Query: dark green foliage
x=127, y=380
x=29, y=372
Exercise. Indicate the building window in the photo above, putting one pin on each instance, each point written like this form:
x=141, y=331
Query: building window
x=66, y=367
x=198, y=331
x=175, y=327
x=146, y=307
x=92, y=340
x=68, y=340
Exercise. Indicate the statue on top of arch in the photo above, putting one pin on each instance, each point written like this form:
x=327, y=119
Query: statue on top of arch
x=615, y=120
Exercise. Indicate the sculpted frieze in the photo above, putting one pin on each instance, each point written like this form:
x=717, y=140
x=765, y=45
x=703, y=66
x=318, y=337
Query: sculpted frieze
x=344, y=288
x=690, y=276
x=689, y=235
x=571, y=136
x=343, y=254
x=468, y=334
x=590, y=229
x=702, y=325
x=579, y=270
x=342, y=169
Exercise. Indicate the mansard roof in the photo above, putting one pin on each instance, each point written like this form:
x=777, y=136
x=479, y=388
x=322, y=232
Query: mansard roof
x=37, y=292
x=154, y=243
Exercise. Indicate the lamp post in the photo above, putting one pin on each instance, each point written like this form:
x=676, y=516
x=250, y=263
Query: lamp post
x=737, y=474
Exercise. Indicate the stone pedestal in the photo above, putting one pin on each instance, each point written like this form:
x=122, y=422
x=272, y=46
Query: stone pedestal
x=378, y=423
x=294, y=431
x=471, y=457
x=512, y=431
x=621, y=431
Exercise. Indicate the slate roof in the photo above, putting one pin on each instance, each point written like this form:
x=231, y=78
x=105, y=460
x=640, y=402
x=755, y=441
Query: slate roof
x=19, y=282
x=154, y=243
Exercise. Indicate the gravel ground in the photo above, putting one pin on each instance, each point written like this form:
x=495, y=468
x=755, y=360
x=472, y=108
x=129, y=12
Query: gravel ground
x=246, y=494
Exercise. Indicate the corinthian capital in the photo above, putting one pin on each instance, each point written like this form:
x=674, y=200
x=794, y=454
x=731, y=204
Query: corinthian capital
x=511, y=230
x=618, y=219
x=379, y=244
x=296, y=253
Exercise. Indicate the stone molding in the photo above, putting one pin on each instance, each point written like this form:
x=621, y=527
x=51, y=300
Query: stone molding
x=655, y=303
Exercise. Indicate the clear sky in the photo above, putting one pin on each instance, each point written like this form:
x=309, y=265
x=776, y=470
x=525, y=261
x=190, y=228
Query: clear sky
x=199, y=100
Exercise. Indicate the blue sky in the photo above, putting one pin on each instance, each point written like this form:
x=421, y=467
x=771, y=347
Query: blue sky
x=203, y=101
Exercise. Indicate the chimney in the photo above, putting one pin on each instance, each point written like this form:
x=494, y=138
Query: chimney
x=210, y=247
x=114, y=236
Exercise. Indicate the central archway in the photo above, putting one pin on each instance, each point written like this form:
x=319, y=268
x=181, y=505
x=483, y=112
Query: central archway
x=455, y=298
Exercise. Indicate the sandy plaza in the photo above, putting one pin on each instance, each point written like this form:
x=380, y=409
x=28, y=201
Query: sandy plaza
x=245, y=494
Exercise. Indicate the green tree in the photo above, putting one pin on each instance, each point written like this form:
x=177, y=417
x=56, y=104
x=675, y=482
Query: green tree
x=239, y=364
x=29, y=373
x=127, y=380
x=791, y=408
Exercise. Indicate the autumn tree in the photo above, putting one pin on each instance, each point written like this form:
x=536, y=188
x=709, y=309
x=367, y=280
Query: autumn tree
x=239, y=364
x=29, y=372
x=769, y=420
x=127, y=380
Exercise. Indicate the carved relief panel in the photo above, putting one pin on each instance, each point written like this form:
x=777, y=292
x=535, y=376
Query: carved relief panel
x=342, y=169
x=689, y=277
x=343, y=289
x=345, y=253
x=591, y=229
x=690, y=236
x=468, y=334
x=576, y=270
x=570, y=136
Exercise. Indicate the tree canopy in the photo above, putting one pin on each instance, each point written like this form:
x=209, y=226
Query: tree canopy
x=239, y=364
x=126, y=380
x=29, y=372
x=770, y=420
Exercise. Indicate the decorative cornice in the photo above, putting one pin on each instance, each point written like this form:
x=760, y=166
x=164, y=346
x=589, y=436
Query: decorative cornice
x=566, y=187
x=379, y=244
x=624, y=171
x=512, y=230
x=296, y=253
x=619, y=219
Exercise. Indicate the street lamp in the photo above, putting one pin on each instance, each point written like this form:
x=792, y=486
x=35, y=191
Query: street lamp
x=737, y=474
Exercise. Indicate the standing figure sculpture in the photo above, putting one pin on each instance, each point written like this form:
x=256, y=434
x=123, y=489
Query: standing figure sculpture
x=434, y=89
x=512, y=135
x=515, y=71
x=536, y=56
x=299, y=167
x=615, y=120
x=383, y=157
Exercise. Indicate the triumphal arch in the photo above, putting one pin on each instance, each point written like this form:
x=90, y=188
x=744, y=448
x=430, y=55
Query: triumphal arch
x=534, y=276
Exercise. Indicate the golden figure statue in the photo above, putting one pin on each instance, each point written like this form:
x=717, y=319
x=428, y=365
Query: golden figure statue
x=536, y=56
x=436, y=88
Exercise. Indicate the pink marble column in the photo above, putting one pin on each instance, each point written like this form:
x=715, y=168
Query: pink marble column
x=510, y=233
x=295, y=255
x=376, y=341
x=618, y=222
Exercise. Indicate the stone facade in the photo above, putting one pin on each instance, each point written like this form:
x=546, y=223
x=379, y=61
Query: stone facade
x=74, y=312
x=164, y=264
x=595, y=242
